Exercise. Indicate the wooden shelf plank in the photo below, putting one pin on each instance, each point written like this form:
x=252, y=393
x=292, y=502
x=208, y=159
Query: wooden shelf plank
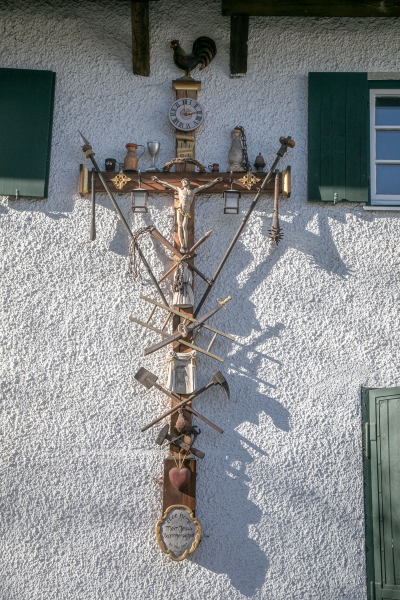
x=312, y=8
x=196, y=179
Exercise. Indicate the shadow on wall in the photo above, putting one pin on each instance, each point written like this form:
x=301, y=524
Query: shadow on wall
x=230, y=545
x=226, y=546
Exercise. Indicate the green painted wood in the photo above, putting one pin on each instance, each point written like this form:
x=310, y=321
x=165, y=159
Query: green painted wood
x=312, y=8
x=384, y=476
x=369, y=540
x=357, y=138
x=26, y=120
x=338, y=137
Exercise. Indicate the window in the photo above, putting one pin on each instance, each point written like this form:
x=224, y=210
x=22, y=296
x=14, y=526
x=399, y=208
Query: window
x=385, y=146
x=26, y=118
x=354, y=138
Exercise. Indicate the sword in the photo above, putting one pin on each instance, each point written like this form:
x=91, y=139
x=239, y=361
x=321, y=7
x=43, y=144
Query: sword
x=186, y=329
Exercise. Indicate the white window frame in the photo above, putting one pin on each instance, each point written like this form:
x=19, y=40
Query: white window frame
x=380, y=199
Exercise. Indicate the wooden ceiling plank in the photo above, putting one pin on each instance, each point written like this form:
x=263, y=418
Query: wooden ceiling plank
x=140, y=38
x=312, y=8
x=238, y=45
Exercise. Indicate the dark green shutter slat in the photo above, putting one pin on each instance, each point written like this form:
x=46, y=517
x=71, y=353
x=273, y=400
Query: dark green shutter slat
x=384, y=474
x=357, y=137
x=26, y=118
x=338, y=137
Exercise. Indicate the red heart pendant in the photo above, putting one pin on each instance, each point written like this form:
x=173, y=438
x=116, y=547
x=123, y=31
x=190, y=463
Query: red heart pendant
x=179, y=477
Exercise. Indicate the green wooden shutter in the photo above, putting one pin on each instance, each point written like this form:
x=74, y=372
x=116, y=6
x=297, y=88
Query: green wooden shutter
x=382, y=449
x=26, y=118
x=338, y=120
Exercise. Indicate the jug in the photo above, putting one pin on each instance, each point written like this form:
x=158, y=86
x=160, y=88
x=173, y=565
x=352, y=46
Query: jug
x=131, y=160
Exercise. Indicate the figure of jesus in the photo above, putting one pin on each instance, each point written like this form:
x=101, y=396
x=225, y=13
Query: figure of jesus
x=186, y=195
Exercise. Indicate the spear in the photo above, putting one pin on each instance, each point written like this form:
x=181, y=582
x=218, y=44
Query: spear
x=93, y=211
x=87, y=148
x=275, y=233
x=285, y=143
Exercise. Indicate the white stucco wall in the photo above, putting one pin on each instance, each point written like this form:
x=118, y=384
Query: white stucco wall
x=279, y=495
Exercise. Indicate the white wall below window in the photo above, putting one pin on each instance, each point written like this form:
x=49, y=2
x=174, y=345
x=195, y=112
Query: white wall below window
x=280, y=493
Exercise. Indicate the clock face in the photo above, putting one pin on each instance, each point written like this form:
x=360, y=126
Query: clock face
x=186, y=114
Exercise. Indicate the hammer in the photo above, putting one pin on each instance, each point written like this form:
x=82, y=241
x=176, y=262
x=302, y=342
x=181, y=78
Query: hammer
x=164, y=435
x=149, y=380
x=217, y=379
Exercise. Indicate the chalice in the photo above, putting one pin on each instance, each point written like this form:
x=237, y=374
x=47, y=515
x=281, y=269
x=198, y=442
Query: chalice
x=153, y=148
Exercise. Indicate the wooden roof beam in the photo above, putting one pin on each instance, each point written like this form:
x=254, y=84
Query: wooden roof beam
x=140, y=37
x=312, y=8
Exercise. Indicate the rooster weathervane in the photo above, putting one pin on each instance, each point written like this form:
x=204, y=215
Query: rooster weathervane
x=203, y=51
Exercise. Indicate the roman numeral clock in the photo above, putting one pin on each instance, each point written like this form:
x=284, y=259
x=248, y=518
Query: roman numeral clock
x=186, y=115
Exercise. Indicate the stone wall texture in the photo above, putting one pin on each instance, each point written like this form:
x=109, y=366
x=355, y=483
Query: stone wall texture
x=280, y=494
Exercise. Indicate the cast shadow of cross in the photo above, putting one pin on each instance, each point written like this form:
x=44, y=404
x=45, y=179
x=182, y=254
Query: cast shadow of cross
x=231, y=543
x=233, y=484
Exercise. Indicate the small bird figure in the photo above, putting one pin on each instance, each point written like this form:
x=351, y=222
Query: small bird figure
x=204, y=50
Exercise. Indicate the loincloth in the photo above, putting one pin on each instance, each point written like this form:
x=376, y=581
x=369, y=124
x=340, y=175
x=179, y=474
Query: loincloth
x=183, y=213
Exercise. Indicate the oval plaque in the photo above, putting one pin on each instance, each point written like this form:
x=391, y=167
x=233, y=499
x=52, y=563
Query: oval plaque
x=178, y=532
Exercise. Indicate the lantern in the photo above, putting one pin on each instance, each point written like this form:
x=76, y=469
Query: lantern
x=231, y=200
x=139, y=198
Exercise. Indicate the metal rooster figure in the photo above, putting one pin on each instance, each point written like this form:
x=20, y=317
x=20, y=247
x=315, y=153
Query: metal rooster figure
x=203, y=51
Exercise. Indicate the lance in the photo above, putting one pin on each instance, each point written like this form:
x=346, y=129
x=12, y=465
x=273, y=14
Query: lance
x=285, y=143
x=189, y=255
x=275, y=233
x=93, y=212
x=87, y=148
x=184, y=330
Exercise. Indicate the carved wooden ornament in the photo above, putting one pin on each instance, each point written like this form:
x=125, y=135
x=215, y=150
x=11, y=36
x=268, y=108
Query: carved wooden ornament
x=178, y=532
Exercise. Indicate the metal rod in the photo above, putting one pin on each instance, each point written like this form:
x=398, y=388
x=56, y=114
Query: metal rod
x=180, y=314
x=166, y=321
x=93, y=208
x=212, y=341
x=87, y=148
x=153, y=310
x=177, y=336
x=183, y=342
x=282, y=150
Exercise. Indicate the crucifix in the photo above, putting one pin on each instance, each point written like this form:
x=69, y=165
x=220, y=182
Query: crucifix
x=186, y=114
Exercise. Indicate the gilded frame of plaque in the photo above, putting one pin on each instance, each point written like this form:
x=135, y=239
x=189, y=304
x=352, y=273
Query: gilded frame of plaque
x=162, y=522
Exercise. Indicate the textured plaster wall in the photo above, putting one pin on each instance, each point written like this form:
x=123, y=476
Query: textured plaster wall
x=279, y=495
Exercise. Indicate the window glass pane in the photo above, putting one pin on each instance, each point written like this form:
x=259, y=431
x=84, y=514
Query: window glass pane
x=387, y=110
x=388, y=179
x=388, y=145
